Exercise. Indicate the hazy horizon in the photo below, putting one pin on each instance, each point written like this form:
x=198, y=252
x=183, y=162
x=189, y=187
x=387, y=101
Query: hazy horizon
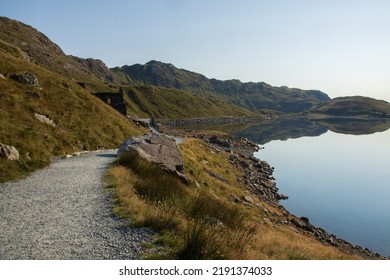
x=339, y=47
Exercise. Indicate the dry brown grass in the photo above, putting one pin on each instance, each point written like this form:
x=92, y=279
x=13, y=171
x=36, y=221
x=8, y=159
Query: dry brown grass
x=199, y=221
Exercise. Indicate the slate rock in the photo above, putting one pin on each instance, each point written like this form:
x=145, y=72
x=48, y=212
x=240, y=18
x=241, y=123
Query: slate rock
x=26, y=78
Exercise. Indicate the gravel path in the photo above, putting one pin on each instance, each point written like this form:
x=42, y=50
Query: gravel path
x=63, y=212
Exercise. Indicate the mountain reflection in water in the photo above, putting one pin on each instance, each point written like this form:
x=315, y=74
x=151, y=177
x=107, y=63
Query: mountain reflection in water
x=284, y=129
x=339, y=180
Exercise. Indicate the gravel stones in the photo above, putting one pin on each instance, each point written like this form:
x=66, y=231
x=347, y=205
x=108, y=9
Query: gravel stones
x=64, y=212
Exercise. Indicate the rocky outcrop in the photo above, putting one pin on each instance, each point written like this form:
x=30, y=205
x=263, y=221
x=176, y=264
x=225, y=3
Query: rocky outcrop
x=26, y=78
x=8, y=152
x=97, y=68
x=157, y=148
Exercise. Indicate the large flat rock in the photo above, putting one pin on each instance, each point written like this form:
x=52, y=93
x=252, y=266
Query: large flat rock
x=157, y=148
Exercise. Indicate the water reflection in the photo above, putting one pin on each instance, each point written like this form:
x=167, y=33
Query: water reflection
x=284, y=129
x=339, y=180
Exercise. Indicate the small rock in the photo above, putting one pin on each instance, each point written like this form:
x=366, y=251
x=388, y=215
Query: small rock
x=33, y=94
x=65, y=85
x=305, y=219
x=248, y=204
x=8, y=152
x=82, y=84
x=2, y=77
x=44, y=119
x=248, y=199
x=234, y=198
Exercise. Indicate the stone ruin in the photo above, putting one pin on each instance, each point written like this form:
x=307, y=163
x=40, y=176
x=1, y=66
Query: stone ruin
x=114, y=99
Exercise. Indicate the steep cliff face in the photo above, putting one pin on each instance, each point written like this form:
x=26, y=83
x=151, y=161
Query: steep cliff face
x=253, y=96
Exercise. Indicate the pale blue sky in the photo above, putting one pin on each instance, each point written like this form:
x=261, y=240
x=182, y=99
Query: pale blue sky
x=340, y=47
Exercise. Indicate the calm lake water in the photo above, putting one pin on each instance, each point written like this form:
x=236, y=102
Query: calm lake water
x=335, y=172
x=340, y=182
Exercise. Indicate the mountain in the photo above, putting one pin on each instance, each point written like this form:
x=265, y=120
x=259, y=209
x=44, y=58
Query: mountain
x=169, y=103
x=24, y=41
x=354, y=106
x=253, y=96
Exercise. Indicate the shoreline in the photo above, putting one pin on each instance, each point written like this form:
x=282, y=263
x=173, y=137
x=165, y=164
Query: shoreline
x=259, y=181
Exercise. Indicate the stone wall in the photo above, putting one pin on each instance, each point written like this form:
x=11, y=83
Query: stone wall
x=114, y=99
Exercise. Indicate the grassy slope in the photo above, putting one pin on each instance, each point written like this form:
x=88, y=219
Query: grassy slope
x=252, y=96
x=166, y=103
x=83, y=121
x=355, y=106
x=199, y=221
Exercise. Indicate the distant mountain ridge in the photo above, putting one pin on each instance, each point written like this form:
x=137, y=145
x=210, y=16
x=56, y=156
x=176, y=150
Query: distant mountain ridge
x=253, y=96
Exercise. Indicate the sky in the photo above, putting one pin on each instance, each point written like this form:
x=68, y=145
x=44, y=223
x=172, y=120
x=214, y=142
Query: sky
x=340, y=47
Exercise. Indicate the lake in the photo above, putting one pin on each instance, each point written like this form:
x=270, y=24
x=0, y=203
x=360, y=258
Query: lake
x=340, y=182
x=335, y=172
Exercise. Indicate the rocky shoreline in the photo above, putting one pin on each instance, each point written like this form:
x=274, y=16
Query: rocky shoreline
x=259, y=181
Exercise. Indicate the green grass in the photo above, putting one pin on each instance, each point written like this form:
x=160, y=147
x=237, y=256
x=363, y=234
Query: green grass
x=251, y=96
x=83, y=122
x=159, y=102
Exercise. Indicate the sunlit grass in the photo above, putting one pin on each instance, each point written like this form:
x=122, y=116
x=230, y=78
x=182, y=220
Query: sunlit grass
x=198, y=221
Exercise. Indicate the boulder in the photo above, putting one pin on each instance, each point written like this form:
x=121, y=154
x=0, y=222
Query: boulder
x=8, y=152
x=26, y=78
x=157, y=148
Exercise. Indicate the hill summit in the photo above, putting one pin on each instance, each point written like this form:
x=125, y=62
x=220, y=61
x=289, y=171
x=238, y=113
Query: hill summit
x=253, y=96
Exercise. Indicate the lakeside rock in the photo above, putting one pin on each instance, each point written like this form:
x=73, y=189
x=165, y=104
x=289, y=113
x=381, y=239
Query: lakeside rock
x=9, y=152
x=157, y=148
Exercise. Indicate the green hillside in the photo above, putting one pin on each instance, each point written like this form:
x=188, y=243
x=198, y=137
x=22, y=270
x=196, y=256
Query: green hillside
x=355, y=106
x=253, y=96
x=82, y=122
x=158, y=102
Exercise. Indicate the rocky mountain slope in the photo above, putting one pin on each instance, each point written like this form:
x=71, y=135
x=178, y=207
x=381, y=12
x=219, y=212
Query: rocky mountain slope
x=253, y=96
x=25, y=42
